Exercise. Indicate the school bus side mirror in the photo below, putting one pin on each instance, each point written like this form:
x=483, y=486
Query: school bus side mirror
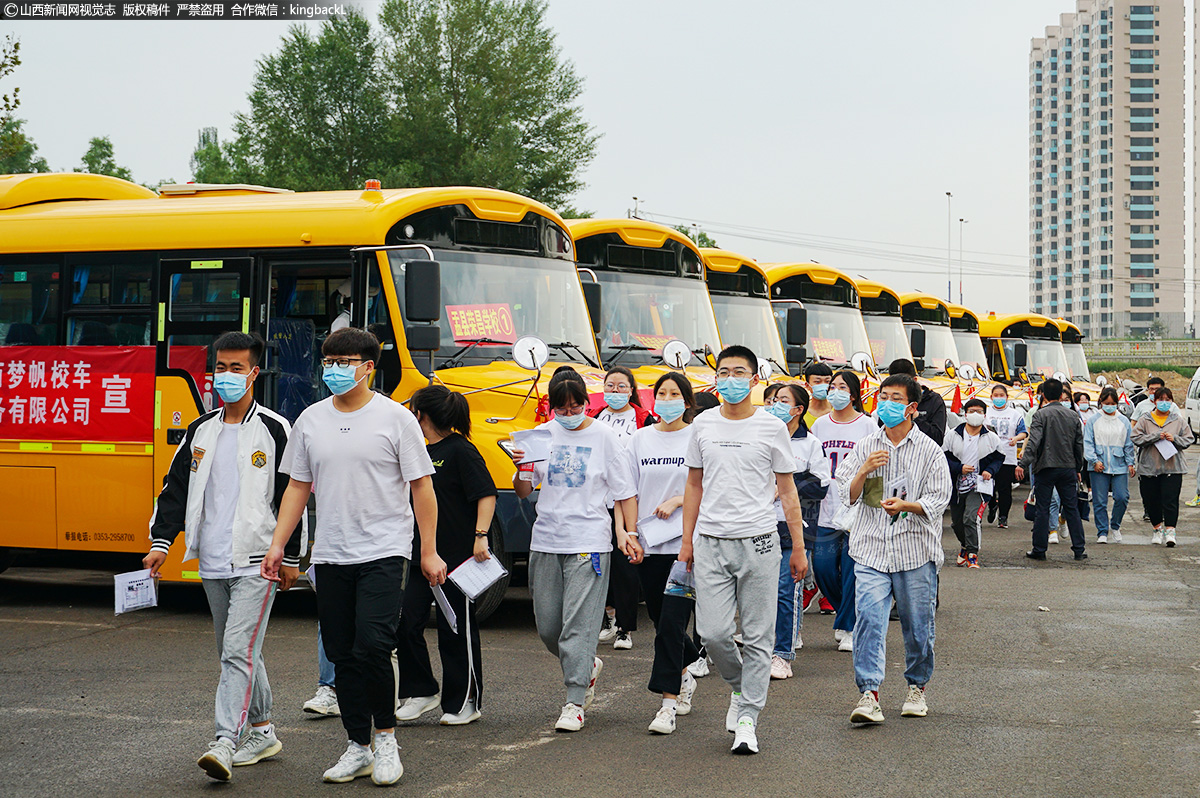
x=916, y=342
x=797, y=327
x=591, y=295
x=796, y=357
x=423, y=291
x=1020, y=355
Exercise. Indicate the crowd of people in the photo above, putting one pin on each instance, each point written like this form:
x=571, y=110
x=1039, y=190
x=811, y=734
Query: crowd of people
x=728, y=519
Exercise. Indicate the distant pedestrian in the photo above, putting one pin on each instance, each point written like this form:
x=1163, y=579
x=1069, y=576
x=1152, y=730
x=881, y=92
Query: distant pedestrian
x=1009, y=424
x=1161, y=474
x=1110, y=455
x=1054, y=454
x=975, y=457
x=1083, y=404
x=817, y=377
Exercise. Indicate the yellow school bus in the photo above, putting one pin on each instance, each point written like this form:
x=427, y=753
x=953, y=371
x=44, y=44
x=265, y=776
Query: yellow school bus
x=1077, y=365
x=105, y=273
x=964, y=326
x=881, y=315
x=737, y=286
x=652, y=292
x=1023, y=348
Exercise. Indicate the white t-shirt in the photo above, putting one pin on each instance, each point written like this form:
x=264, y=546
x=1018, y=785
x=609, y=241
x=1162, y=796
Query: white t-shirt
x=740, y=459
x=360, y=464
x=970, y=457
x=810, y=458
x=659, y=474
x=623, y=423
x=220, y=504
x=1007, y=423
x=837, y=441
x=584, y=466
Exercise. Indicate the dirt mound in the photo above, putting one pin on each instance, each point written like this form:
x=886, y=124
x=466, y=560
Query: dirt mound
x=1175, y=381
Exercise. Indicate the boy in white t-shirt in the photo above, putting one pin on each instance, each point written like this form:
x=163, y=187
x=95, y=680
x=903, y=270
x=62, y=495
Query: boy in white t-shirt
x=737, y=459
x=365, y=453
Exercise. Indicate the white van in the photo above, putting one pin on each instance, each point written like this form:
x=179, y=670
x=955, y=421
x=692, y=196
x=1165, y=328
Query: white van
x=1192, y=408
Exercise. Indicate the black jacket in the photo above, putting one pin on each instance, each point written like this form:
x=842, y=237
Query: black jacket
x=931, y=415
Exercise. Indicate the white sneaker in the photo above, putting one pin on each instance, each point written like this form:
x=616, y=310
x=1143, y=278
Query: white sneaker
x=914, y=703
x=623, y=642
x=847, y=643
x=1053, y=537
x=1114, y=535
x=325, y=702
x=867, y=710
x=745, y=741
x=839, y=634
x=388, y=767
x=731, y=716
x=1169, y=538
x=699, y=668
x=687, y=689
x=780, y=667
x=608, y=627
x=354, y=763
x=413, y=708
x=1157, y=538
x=256, y=746
x=571, y=719
x=217, y=762
x=590, y=695
x=1102, y=539
x=664, y=721
x=469, y=714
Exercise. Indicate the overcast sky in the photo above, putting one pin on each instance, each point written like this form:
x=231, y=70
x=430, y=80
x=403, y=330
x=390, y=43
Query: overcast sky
x=835, y=128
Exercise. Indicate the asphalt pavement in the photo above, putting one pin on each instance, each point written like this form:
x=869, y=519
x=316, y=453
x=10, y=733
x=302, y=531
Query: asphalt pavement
x=1098, y=696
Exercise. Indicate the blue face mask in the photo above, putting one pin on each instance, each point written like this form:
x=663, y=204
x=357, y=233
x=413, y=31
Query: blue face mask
x=892, y=413
x=340, y=379
x=1110, y=409
x=570, y=422
x=616, y=401
x=231, y=387
x=781, y=411
x=733, y=389
x=669, y=409
x=839, y=399
x=1163, y=406
x=820, y=390
x=999, y=401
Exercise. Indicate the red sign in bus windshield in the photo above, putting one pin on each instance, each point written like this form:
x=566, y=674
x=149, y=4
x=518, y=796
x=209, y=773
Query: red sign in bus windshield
x=77, y=393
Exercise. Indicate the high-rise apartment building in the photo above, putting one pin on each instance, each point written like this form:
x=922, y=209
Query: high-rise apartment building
x=1106, y=170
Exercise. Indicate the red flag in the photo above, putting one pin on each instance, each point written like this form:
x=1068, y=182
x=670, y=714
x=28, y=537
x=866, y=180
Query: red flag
x=956, y=405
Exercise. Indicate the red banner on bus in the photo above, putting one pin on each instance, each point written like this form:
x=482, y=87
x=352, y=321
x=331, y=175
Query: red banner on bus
x=77, y=393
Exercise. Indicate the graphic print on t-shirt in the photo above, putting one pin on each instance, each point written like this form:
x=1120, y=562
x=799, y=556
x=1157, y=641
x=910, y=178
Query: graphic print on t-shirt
x=568, y=466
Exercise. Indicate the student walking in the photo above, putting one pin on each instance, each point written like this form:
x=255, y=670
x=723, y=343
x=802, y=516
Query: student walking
x=897, y=483
x=975, y=457
x=833, y=567
x=1109, y=452
x=1054, y=454
x=570, y=551
x=366, y=454
x=1161, y=474
x=737, y=459
x=222, y=490
x=466, y=500
x=622, y=410
x=817, y=377
x=1008, y=422
x=789, y=404
x=657, y=454
x=931, y=410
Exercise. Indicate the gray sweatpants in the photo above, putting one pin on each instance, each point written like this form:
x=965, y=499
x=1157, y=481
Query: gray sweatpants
x=240, y=609
x=568, y=605
x=739, y=574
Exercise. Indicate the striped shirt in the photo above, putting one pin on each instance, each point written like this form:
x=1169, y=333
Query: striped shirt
x=912, y=540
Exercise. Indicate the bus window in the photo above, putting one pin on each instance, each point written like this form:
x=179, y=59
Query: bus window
x=28, y=304
x=109, y=303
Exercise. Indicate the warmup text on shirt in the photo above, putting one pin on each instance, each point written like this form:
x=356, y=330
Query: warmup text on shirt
x=659, y=474
x=360, y=464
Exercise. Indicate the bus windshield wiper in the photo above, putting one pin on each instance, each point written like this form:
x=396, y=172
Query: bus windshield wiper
x=621, y=350
x=455, y=360
x=562, y=346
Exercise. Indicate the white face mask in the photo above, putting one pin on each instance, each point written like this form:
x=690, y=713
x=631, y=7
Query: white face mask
x=975, y=419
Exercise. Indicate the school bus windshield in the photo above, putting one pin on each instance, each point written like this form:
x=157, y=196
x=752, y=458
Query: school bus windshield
x=939, y=347
x=836, y=334
x=1045, y=356
x=641, y=310
x=748, y=321
x=889, y=340
x=491, y=300
x=970, y=350
x=1077, y=361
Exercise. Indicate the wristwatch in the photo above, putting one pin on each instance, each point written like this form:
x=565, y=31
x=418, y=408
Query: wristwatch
x=481, y=533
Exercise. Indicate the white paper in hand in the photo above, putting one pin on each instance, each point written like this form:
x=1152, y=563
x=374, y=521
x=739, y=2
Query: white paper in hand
x=535, y=443
x=474, y=577
x=443, y=603
x=655, y=531
x=1166, y=449
x=136, y=590
x=985, y=486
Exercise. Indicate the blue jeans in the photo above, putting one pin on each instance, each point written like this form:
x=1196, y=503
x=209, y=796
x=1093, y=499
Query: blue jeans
x=789, y=616
x=915, y=592
x=1102, y=485
x=324, y=666
x=834, y=572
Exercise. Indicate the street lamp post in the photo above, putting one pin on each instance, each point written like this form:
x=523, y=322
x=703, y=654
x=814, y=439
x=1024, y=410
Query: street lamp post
x=949, y=241
x=961, y=222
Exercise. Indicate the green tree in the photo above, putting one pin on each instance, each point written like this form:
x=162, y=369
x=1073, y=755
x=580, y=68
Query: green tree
x=483, y=96
x=701, y=238
x=318, y=117
x=100, y=160
x=18, y=153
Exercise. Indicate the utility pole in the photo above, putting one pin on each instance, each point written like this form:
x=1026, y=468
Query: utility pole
x=949, y=243
x=961, y=222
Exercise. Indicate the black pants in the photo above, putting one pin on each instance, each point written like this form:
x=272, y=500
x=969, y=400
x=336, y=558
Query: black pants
x=462, y=671
x=623, y=589
x=1160, y=495
x=1002, y=496
x=1065, y=481
x=673, y=646
x=359, y=610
